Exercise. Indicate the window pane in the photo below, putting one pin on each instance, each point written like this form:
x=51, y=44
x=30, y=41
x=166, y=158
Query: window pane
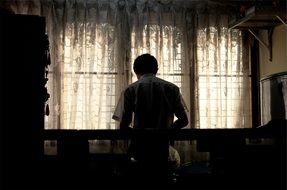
x=88, y=79
x=223, y=86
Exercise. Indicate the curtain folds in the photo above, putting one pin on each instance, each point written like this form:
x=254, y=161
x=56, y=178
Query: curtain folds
x=93, y=44
x=223, y=75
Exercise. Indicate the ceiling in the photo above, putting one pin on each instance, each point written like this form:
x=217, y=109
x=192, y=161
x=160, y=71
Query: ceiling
x=232, y=2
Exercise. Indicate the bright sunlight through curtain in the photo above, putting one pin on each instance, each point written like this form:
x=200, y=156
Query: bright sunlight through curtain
x=94, y=43
x=223, y=76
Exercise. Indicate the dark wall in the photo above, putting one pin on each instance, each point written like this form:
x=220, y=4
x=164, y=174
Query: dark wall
x=22, y=67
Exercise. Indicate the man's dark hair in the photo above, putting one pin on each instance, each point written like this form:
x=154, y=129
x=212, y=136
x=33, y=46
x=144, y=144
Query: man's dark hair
x=145, y=63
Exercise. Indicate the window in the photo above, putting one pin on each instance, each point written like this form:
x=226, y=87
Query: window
x=89, y=74
x=87, y=79
x=223, y=80
x=169, y=54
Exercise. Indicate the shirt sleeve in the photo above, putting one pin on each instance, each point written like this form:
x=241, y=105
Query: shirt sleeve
x=179, y=103
x=123, y=111
x=183, y=103
x=180, y=112
x=118, y=113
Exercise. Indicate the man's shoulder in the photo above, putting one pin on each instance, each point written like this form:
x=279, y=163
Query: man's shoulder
x=131, y=87
x=149, y=81
x=166, y=83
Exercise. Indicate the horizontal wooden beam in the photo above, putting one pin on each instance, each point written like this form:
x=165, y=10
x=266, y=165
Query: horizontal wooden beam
x=182, y=134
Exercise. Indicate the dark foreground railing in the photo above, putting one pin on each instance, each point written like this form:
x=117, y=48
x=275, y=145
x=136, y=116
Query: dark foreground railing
x=182, y=134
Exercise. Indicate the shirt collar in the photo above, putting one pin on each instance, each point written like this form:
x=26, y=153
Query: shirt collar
x=147, y=75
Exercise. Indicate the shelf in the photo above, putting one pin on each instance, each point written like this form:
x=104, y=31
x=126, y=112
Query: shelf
x=263, y=17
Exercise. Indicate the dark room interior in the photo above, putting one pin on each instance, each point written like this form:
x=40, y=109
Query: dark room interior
x=42, y=145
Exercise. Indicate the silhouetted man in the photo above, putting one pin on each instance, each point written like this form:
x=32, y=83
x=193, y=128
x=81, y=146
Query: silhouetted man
x=151, y=103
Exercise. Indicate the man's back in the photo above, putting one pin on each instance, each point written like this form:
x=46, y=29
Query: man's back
x=150, y=102
x=154, y=102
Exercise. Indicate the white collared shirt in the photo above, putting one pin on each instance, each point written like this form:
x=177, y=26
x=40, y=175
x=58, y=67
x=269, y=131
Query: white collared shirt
x=150, y=102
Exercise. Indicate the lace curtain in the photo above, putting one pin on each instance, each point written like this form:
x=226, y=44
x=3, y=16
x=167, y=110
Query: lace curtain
x=223, y=75
x=93, y=45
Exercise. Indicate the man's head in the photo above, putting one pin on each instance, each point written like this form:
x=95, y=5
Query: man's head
x=144, y=64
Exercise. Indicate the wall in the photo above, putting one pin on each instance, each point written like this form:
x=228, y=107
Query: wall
x=279, y=51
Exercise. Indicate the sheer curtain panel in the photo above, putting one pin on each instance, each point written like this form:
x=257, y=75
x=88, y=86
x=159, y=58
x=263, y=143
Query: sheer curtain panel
x=93, y=44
